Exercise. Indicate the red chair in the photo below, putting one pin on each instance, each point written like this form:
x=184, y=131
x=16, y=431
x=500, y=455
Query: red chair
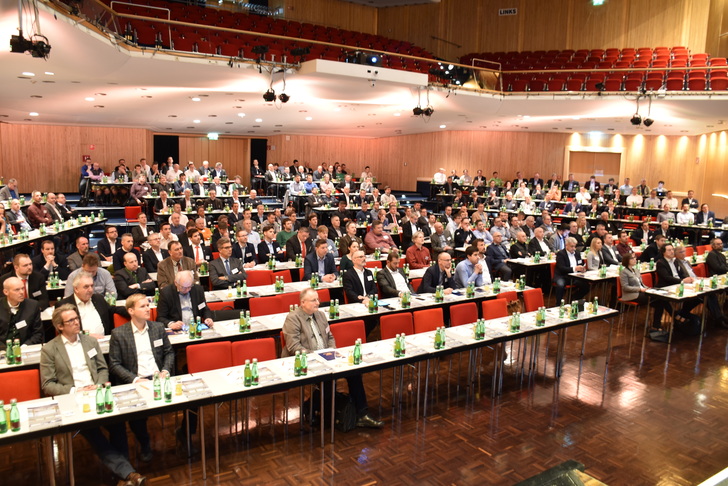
x=289, y=299
x=700, y=270
x=286, y=274
x=508, y=296
x=689, y=250
x=209, y=356
x=416, y=284
x=23, y=385
x=495, y=308
x=131, y=213
x=624, y=303
x=346, y=333
x=533, y=299
x=697, y=84
x=392, y=324
x=718, y=83
x=225, y=305
x=428, y=320
x=120, y=320
x=260, y=277
x=324, y=295
x=261, y=349
x=463, y=314
x=374, y=264
x=264, y=306
x=703, y=248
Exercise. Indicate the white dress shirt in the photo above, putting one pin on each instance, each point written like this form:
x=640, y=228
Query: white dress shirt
x=146, y=366
x=81, y=373
x=90, y=317
x=399, y=282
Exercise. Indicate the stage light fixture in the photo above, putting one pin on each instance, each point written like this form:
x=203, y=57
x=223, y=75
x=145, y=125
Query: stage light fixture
x=428, y=111
x=636, y=119
x=648, y=122
x=417, y=111
x=269, y=95
x=284, y=98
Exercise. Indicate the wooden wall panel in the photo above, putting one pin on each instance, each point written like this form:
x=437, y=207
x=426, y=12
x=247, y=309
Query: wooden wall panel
x=51, y=156
x=715, y=164
x=545, y=25
x=656, y=23
x=234, y=153
x=417, y=24
x=333, y=13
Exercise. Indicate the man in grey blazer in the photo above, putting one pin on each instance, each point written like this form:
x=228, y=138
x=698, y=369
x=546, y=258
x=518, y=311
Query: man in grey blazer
x=137, y=350
x=227, y=270
x=391, y=279
x=307, y=330
x=74, y=362
x=176, y=262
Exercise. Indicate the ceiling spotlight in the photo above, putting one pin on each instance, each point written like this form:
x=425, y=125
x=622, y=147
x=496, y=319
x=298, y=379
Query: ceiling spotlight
x=300, y=51
x=260, y=49
x=428, y=111
x=636, y=119
x=648, y=122
x=600, y=86
x=417, y=111
x=269, y=95
x=283, y=97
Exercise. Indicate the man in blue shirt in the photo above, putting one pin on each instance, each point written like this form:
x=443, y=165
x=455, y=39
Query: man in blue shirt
x=320, y=262
x=471, y=270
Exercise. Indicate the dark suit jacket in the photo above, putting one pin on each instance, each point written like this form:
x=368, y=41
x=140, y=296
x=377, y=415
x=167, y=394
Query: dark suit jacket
x=534, y=246
x=431, y=280
x=123, y=363
x=119, y=257
x=36, y=288
x=716, y=263
x=664, y=273
x=105, y=312
x=103, y=248
x=293, y=248
x=158, y=204
x=352, y=285
x=494, y=256
x=563, y=267
x=651, y=251
x=333, y=234
x=386, y=283
x=62, y=269
x=151, y=261
x=519, y=250
x=611, y=258
x=638, y=236
x=701, y=218
x=570, y=186
x=139, y=238
x=587, y=185
x=217, y=270
x=263, y=251
x=56, y=373
x=310, y=265
x=123, y=280
x=28, y=311
x=534, y=182
x=169, y=308
x=249, y=255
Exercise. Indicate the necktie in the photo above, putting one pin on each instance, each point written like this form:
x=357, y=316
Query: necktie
x=303, y=249
x=316, y=334
x=25, y=287
x=227, y=266
x=179, y=266
x=198, y=258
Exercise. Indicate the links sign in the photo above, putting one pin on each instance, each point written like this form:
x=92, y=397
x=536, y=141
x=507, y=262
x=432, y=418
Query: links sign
x=507, y=11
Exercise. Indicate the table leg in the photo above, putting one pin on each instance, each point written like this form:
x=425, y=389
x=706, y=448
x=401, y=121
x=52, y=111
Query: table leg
x=69, y=458
x=644, y=331
x=333, y=411
x=217, y=440
x=202, y=442
x=427, y=384
x=48, y=445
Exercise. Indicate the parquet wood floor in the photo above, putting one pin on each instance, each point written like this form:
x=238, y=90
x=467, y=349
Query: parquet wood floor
x=643, y=425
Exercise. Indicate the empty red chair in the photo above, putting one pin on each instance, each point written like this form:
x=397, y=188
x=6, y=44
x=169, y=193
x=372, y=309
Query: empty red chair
x=494, y=308
x=259, y=277
x=508, y=296
x=392, y=324
x=697, y=84
x=532, y=299
x=519, y=85
x=650, y=84
x=261, y=349
x=346, y=333
x=22, y=385
x=264, y=306
x=208, y=356
x=613, y=84
x=463, y=314
x=556, y=85
x=574, y=84
x=428, y=320
x=673, y=84
x=718, y=84
x=215, y=306
x=286, y=274
x=119, y=320
x=700, y=270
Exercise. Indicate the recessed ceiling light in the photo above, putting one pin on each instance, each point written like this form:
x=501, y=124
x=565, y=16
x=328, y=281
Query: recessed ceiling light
x=309, y=118
x=443, y=126
x=146, y=96
x=50, y=73
x=576, y=118
x=90, y=98
x=26, y=73
x=398, y=114
x=195, y=121
x=526, y=117
x=195, y=99
x=228, y=123
x=258, y=120
x=139, y=89
x=33, y=113
x=337, y=109
x=241, y=115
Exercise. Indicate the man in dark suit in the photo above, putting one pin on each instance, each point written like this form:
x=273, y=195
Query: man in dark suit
x=642, y=234
x=300, y=244
x=127, y=246
x=321, y=262
x=496, y=256
x=344, y=214
x=653, y=250
x=106, y=247
x=664, y=230
x=306, y=329
x=48, y=261
x=227, y=270
x=348, y=238
x=96, y=315
x=243, y=250
x=132, y=279
x=592, y=185
x=358, y=282
x=24, y=323
x=58, y=377
x=35, y=284
x=519, y=249
x=131, y=364
x=336, y=230
x=391, y=279
x=197, y=250
x=183, y=301
x=571, y=185
x=715, y=259
x=569, y=261
x=440, y=274
x=536, y=180
x=269, y=246
x=154, y=254
x=175, y=263
x=669, y=272
x=705, y=215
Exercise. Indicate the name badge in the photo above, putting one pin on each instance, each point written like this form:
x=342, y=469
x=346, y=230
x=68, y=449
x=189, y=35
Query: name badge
x=207, y=257
x=157, y=343
x=91, y=352
x=369, y=277
x=201, y=306
x=234, y=271
x=21, y=324
x=36, y=293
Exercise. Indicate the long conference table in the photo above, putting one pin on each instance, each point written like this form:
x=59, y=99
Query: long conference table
x=65, y=414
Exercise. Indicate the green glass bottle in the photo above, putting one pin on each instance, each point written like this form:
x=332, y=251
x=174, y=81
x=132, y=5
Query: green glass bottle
x=245, y=289
x=304, y=363
x=397, y=349
x=9, y=357
x=297, y=364
x=402, y=345
x=254, y=372
x=193, y=330
x=438, y=339
x=3, y=420
x=14, y=416
x=357, y=352
x=168, y=389
x=156, y=296
x=157, y=385
x=100, y=405
x=198, y=328
x=247, y=374
x=108, y=399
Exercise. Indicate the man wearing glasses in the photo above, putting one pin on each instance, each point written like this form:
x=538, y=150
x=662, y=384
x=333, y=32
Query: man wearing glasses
x=307, y=330
x=359, y=283
x=226, y=271
x=182, y=302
